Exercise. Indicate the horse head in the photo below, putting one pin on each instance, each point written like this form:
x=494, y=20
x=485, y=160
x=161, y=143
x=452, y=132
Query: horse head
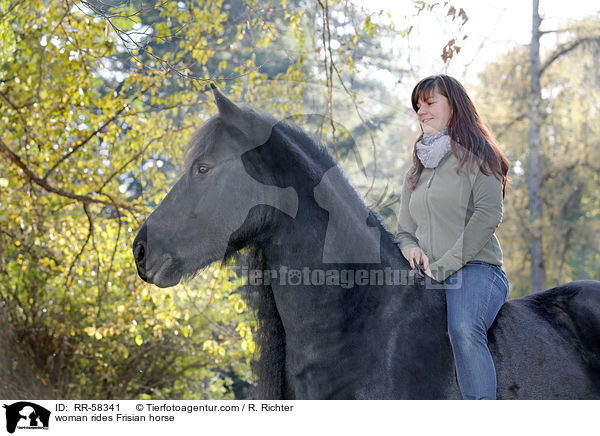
x=206, y=212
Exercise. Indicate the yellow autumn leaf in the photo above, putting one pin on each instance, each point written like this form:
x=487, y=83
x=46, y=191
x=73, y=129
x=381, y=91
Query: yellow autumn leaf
x=240, y=306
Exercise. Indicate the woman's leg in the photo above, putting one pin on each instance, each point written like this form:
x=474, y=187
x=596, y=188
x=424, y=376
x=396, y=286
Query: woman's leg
x=474, y=295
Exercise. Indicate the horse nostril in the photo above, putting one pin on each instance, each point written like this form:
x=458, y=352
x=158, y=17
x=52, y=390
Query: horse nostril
x=139, y=253
x=139, y=249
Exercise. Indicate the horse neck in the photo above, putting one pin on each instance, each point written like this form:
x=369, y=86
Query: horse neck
x=332, y=217
x=331, y=333
x=329, y=236
x=333, y=235
x=326, y=332
x=333, y=229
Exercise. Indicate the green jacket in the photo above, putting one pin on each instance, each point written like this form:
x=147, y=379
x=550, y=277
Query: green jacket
x=452, y=217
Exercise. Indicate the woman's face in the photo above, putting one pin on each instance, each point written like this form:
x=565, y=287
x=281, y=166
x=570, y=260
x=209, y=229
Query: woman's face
x=434, y=113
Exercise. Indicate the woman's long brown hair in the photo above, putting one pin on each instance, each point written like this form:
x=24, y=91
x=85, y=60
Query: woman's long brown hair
x=472, y=142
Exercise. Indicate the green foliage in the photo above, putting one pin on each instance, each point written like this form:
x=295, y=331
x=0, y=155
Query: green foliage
x=570, y=153
x=96, y=110
x=97, y=103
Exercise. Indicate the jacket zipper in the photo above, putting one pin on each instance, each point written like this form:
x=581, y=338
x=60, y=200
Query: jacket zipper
x=429, y=212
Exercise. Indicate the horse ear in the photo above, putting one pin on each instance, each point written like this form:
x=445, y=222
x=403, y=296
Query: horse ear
x=256, y=128
x=224, y=105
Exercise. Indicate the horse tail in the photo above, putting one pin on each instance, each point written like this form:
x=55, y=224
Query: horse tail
x=270, y=367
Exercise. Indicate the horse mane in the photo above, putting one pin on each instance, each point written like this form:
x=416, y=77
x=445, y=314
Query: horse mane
x=269, y=367
x=318, y=153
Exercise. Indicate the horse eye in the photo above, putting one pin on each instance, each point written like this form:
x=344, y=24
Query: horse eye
x=200, y=169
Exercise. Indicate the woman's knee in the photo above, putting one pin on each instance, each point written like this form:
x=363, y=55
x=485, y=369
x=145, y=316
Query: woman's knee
x=465, y=333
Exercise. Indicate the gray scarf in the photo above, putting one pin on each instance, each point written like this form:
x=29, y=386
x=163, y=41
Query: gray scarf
x=432, y=148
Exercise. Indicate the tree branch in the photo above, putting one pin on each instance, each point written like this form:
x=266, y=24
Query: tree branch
x=329, y=69
x=83, y=142
x=85, y=199
x=506, y=127
x=10, y=8
x=29, y=248
x=566, y=48
x=16, y=108
x=566, y=29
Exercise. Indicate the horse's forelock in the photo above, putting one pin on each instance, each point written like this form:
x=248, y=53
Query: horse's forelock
x=203, y=140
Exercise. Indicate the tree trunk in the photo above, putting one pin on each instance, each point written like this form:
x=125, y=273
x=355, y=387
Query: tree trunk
x=538, y=276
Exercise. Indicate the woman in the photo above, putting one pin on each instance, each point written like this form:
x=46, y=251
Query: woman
x=451, y=205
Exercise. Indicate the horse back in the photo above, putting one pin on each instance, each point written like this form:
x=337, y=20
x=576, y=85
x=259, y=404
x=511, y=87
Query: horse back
x=574, y=307
x=547, y=344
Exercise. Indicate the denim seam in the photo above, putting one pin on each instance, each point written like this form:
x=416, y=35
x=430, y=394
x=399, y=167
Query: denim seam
x=502, y=275
x=489, y=296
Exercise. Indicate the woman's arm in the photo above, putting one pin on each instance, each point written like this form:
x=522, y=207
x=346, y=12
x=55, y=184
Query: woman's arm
x=487, y=215
x=406, y=226
x=406, y=233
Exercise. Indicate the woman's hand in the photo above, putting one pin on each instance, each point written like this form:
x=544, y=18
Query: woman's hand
x=428, y=272
x=415, y=256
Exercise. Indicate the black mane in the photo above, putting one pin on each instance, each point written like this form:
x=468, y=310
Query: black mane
x=293, y=150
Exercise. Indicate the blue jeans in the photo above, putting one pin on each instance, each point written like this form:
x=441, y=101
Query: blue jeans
x=474, y=295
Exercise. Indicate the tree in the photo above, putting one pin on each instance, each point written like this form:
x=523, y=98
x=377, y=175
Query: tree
x=76, y=140
x=538, y=280
x=567, y=154
x=536, y=170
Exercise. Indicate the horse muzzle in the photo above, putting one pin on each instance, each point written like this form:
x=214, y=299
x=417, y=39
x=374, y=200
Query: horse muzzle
x=164, y=272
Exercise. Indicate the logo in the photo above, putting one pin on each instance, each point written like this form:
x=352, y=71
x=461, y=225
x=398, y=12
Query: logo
x=26, y=415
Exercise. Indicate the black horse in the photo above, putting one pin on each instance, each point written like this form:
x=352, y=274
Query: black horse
x=340, y=315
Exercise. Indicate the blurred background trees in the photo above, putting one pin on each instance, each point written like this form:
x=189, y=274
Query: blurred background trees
x=97, y=103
